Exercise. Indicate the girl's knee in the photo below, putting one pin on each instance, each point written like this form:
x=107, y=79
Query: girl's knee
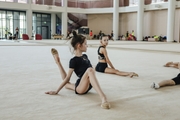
x=90, y=70
x=66, y=87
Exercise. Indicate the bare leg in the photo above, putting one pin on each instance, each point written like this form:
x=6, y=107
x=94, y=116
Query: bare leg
x=61, y=69
x=163, y=83
x=120, y=73
x=166, y=83
x=89, y=77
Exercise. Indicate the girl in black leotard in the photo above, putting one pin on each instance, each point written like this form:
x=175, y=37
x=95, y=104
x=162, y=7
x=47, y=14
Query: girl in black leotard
x=82, y=67
x=104, y=61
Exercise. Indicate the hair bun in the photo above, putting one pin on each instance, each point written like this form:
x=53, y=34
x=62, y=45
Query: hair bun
x=74, y=33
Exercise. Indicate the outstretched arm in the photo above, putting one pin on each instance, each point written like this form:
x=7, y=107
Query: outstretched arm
x=107, y=58
x=65, y=81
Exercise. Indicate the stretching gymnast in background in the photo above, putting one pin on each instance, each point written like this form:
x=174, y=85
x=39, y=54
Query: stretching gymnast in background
x=82, y=67
x=104, y=61
x=171, y=82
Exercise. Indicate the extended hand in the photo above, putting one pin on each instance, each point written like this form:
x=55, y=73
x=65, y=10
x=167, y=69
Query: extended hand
x=51, y=92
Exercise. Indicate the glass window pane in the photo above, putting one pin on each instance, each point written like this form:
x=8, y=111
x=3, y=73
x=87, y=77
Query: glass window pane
x=9, y=15
x=16, y=21
x=16, y=15
x=9, y=22
x=38, y=23
x=44, y=16
x=22, y=24
x=2, y=26
x=3, y=14
x=38, y=17
x=22, y=15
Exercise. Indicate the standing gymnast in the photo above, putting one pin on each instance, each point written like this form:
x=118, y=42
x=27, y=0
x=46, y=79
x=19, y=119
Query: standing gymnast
x=82, y=67
x=104, y=61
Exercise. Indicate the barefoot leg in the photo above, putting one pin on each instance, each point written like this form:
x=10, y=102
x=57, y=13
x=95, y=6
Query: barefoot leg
x=120, y=73
x=166, y=83
x=61, y=68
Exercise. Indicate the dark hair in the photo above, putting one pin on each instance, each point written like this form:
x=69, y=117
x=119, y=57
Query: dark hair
x=103, y=35
x=77, y=38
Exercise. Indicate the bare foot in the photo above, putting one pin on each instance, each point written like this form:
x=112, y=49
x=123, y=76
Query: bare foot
x=132, y=74
x=55, y=55
x=168, y=64
x=105, y=105
x=51, y=93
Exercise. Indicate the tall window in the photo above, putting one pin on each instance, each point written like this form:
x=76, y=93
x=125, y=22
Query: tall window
x=2, y=24
x=9, y=20
x=22, y=25
x=42, y=25
x=58, y=24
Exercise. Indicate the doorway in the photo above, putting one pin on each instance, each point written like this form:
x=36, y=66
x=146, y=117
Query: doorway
x=42, y=30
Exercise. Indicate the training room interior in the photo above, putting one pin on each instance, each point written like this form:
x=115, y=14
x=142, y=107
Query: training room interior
x=28, y=69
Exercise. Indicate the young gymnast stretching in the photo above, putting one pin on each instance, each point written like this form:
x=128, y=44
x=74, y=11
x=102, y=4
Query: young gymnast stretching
x=172, y=64
x=171, y=82
x=104, y=61
x=82, y=67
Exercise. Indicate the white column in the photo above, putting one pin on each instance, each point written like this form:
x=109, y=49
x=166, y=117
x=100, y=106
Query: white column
x=170, y=20
x=53, y=23
x=115, y=19
x=29, y=23
x=140, y=20
x=64, y=19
